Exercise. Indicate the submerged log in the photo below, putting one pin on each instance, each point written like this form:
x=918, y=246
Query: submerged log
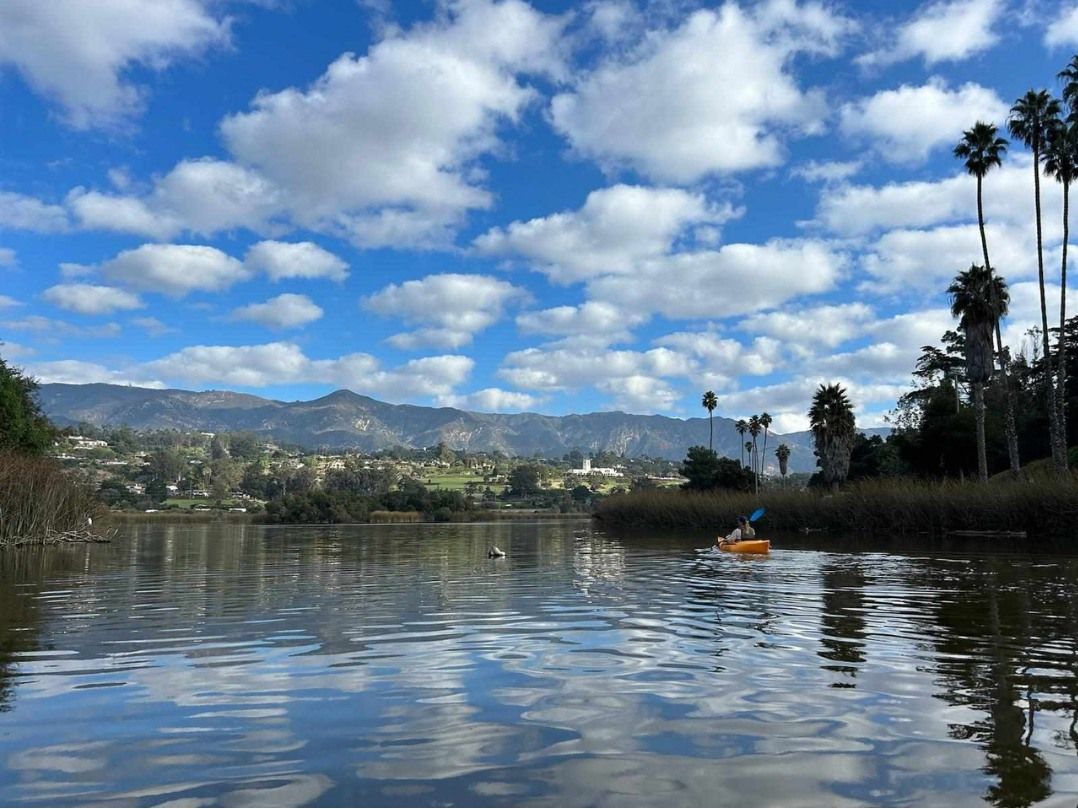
x=52, y=537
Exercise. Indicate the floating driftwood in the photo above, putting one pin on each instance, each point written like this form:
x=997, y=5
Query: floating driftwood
x=999, y=534
x=60, y=537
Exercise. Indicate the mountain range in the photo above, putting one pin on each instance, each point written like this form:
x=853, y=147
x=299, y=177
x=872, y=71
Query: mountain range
x=347, y=420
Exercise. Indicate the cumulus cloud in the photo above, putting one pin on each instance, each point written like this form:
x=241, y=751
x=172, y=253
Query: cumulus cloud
x=1063, y=31
x=152, y=326
x=826, y=171
x=20, y=212
x=492, y=400
x=712, y=96
x=907, y=123
x=52, y=329
x=853, y=210
x=615, y=229
x=590, y=322
x=7, y=302
x=285, y=363
x=77, y=53
x=396, y=131
x=927, y=260
x=719, y=359
x=203, y=196
x=734, y=280
x=175, y=269
x=946, y=31
x=829, y=325
x=279, y=260
x=283, y=312
x=78, y=372
x=451, y=308
x=90, y=299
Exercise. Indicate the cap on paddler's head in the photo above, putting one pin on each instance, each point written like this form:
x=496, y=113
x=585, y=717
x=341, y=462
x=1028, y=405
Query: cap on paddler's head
x=742, y=518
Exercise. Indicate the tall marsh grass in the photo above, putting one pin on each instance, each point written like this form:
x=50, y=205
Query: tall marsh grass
x=875, y=508
x=40, y=501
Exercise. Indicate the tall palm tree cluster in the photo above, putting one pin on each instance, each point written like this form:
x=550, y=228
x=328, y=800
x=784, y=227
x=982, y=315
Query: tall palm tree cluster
x=979, y=298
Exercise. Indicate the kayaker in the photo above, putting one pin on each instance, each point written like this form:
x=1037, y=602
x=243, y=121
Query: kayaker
x=743, y=531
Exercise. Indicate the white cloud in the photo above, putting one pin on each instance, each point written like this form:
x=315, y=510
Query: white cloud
x=78, y=372
x=792, y=398
x=735, y=280
x=97, y=211
x=283, y=312
x=7, y=302
x=77, y=52
x=175, y=269
x=592, y=321
x=828, y=326
x=1008, y=198
x=451, y=307
x=280, y=260
x=906, y=124
x=638, y=393
x=152, y=326
x=720, y=359
x=826, y=171
x=20, y=212
x=492, y=400
x=1063, y=31
x=566, y=369
x=90, y=299
x=7, y=257
x=10, y=351
x=52, y=330
x=202, y=196
x=713, y=96
x=918, y=261
x=285, y=363
x=397, y=131
x=615, y=229
x=945, y=31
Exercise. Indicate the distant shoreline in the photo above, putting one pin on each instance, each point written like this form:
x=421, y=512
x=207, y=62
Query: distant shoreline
x=200, y=517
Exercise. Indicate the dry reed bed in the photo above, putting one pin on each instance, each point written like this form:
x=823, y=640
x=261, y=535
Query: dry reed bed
x=876, y=508
x=41, y=503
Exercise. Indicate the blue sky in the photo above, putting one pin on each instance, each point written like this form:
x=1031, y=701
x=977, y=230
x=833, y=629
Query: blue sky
x=506, y=206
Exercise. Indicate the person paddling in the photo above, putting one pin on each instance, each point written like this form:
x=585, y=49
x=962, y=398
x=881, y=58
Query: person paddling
x=744, y=530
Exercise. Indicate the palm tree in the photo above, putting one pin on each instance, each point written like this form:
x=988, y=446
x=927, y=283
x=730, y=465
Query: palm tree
x=765, y=422
x=833, y=431
x=782, y=452
x=981, y=149
x=1061, y=162
x=742, y=427
x=1032, y=118
x=710, y=402
x=978, y=306
x=754, y=431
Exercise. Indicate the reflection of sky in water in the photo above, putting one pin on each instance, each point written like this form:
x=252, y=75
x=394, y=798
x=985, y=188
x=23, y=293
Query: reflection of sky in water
x=398, y=665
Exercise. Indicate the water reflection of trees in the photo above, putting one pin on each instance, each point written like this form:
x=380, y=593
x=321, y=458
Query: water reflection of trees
x=23, y=573
x=996, y=629
x=843, y=620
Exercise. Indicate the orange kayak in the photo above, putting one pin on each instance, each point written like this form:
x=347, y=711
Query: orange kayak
x=747, y=546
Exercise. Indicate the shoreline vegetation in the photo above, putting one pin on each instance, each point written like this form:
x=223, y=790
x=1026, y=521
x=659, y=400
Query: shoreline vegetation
x=42, y=504
x=906, y=508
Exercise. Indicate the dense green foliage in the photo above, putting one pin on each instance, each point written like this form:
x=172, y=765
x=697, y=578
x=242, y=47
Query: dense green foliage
x=23, y=428
x=705, y=471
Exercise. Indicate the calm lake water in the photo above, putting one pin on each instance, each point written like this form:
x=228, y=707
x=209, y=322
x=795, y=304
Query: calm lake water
x=397, y=665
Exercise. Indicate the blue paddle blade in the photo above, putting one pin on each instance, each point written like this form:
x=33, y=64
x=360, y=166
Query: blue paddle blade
x=756, y=514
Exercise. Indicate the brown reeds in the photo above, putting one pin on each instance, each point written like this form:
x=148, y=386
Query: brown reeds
x=875, y=508
x=41, y=503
